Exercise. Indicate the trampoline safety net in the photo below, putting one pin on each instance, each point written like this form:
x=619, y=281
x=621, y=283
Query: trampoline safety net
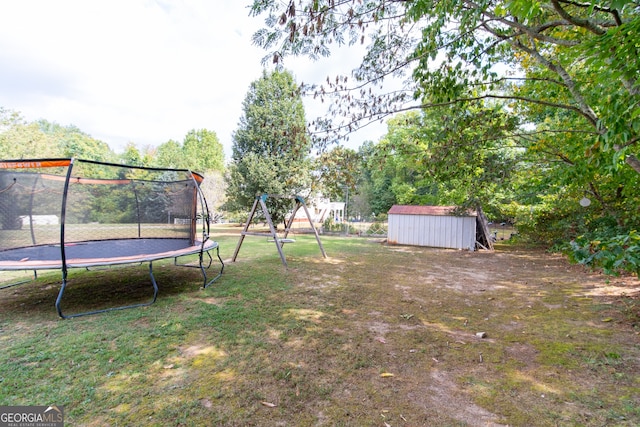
x=70, y=213
x=44, y=201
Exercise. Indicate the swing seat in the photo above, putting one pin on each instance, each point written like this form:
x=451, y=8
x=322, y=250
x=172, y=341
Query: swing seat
x=283, y=240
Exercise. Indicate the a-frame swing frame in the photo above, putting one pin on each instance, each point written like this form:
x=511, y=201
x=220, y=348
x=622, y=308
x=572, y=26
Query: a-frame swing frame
x=260, y=201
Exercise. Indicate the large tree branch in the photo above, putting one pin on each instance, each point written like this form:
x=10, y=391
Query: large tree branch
x=630, y=159
x=579, y=22
x=633, y=161
x=584, y=108
x=629, y=143
x=595, y=7
x=355, y=123
x=534, y=32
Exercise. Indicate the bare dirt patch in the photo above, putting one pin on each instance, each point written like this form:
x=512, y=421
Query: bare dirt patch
x=512, y=337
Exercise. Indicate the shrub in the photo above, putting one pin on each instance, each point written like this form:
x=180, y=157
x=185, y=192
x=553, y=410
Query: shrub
x=613, y=254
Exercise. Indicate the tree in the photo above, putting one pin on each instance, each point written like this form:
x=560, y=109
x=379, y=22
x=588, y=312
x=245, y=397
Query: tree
x=203, y=151
x=213, y=187
x=448, y=46
x=337, y=171
x=132, y=156
x=444, y=156
x=375, y=185
x=169, y=155
x=271, y=146
x=20, y=139
x=72, y=142
x=200, y=151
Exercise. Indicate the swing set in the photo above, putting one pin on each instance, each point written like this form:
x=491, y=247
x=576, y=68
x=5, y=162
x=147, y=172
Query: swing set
x=272, y=234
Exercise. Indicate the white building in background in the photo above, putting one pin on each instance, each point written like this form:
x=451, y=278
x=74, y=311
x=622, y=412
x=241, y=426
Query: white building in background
x=320, y=210
x=40, y=220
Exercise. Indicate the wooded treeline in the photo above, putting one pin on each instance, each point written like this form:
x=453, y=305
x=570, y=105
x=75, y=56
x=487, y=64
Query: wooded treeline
x=199, y=151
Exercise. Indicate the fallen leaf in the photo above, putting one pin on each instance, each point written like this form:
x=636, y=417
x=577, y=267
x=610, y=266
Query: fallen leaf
x=269, y=404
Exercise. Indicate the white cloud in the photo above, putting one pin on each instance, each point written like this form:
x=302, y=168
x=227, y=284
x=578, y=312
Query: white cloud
x=136, y=70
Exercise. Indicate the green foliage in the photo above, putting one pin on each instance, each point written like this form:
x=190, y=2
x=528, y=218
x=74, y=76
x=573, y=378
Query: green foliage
x=133, y=156
x=20, y=139
x=273, y=122
x=614, y=55
x=256, y=175
x=271, y=146
x=346, y=227
x=202, y=151
x=444, y=156
x=332, y=225
x=336, y=172
x=170, y=155
x=377, y=229
x=611, y=253
x=566, y=67
x=72, y=142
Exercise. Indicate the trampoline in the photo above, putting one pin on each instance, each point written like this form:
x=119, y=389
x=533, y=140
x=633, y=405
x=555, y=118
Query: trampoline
x=73, y=213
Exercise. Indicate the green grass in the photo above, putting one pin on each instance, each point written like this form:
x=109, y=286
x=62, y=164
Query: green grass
x=308, y=344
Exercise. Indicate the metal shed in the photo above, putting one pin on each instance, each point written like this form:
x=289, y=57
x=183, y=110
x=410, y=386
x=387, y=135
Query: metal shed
x=434, y=226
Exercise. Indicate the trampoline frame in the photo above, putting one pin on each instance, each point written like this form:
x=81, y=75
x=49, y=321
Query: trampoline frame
x=200, y=246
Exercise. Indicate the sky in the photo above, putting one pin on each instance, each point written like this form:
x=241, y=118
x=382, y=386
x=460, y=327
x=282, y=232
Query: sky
x=142, y=71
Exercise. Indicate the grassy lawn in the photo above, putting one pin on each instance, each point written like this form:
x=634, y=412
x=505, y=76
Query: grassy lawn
x=374, y=335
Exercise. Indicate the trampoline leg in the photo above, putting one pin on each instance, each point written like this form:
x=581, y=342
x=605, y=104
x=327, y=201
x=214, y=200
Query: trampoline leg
x=60, y=294
x=155, y=286
x=204, y=272
x=64, y=285
x=10, y=285
x=204, y=266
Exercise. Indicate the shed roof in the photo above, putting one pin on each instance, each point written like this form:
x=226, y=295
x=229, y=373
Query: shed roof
x=426, y=210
